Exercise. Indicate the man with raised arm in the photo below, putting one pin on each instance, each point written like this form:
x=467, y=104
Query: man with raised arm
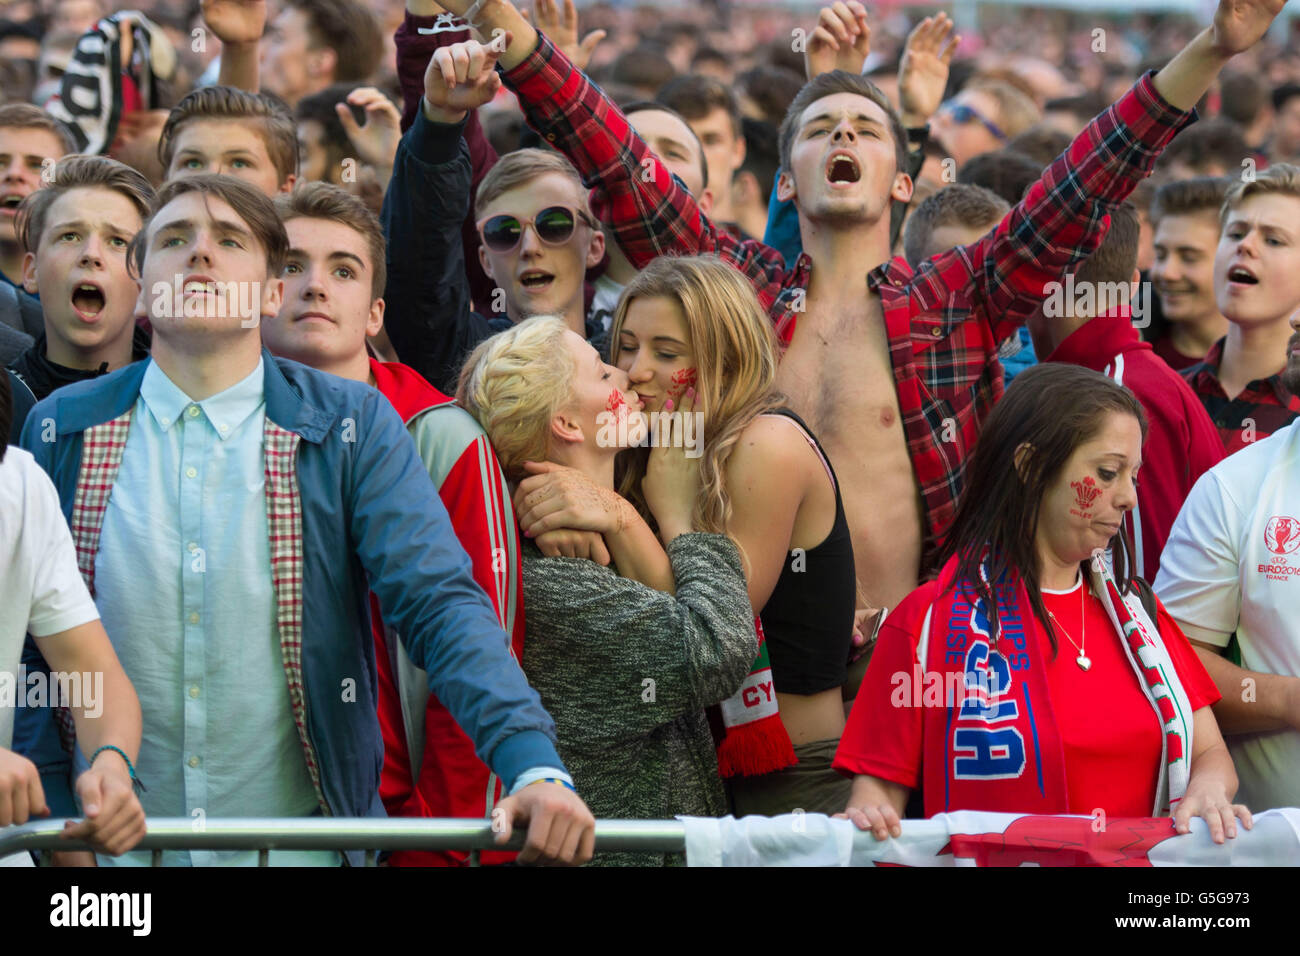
x=896, y=369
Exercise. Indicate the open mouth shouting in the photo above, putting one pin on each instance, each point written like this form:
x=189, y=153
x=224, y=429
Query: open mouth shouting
x=842, y=169
x=88, y=301
x=9, y=203
x=1240, y=277
x=535, y=280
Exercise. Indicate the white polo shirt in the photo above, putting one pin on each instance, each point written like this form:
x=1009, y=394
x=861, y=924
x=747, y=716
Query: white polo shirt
x=1232, y=564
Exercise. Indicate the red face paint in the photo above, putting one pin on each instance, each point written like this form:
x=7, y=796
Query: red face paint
x=616, y=404
x=681, y=380
x=1085, y=493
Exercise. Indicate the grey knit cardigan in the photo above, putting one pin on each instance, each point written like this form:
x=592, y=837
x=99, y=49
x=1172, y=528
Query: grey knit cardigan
x=626, y=672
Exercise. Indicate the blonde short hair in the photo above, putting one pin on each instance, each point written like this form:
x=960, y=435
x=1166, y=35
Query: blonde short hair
x=520, y=168
x=1017, y=112
x=514, y=383
x=1282, y=179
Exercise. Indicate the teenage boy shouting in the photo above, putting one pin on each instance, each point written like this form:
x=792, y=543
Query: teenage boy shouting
x=77, y=230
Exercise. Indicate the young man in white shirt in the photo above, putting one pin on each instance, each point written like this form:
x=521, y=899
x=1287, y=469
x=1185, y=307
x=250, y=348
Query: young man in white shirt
x=41, y=593
x=1232, y=560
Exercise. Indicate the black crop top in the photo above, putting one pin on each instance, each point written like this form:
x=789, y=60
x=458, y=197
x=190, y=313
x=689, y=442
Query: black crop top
x=808, y=620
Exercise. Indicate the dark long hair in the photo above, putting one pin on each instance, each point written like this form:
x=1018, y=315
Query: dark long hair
x=1054, y=408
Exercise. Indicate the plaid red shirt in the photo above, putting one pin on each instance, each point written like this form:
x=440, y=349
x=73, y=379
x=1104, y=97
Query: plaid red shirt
x=1262, y=408
x=944, y=321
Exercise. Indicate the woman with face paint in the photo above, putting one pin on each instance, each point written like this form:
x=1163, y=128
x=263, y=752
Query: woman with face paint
x=692, y=326
x=625, y=668
x=1034, y=675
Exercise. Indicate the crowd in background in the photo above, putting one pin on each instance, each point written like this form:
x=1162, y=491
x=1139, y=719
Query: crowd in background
x=647, y=410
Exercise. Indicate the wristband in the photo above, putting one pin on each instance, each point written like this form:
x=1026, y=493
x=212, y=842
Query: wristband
x=560, y=781
x=130, y=768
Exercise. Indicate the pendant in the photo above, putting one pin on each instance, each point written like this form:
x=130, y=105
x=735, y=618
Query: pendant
x=1083, y=662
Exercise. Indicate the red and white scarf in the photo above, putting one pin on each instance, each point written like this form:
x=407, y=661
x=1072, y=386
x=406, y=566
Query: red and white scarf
x=755, y=740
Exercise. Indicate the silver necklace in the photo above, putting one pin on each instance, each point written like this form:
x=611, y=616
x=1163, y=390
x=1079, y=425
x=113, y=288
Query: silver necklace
x=1082, y=660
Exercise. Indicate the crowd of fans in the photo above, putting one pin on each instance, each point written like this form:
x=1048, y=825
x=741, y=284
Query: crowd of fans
x=548, y=415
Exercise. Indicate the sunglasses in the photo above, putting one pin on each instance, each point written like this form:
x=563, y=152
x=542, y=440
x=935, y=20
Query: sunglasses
x=554, y=226
x=962, y=114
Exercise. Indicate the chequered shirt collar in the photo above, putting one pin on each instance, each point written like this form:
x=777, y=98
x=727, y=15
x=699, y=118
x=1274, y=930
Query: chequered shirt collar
x=1208, y=372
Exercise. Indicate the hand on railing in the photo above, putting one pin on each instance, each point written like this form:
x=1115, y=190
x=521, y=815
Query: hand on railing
x=560, y=827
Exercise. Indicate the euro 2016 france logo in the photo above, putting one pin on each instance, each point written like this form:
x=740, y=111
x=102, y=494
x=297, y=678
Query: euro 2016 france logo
x=1282, y=534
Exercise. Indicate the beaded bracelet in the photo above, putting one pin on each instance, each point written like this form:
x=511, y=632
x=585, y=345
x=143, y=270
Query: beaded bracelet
x=135, y=781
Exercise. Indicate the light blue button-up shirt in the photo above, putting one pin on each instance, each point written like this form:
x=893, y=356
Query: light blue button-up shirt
x=183, y=584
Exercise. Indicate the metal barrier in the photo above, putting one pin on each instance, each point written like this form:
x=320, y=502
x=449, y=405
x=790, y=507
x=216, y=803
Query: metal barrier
x=948, y=839
x=370, y=835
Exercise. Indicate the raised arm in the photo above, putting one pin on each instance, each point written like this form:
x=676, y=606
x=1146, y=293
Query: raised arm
x=648, y=211
x=1238, y=25
x=1062, y=219
x=428, y=317
x=239, y=25
x=426, y=28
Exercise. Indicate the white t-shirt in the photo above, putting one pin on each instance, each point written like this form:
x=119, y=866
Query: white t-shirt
x=1232, y=564
x=604, y=300
x=41, y=590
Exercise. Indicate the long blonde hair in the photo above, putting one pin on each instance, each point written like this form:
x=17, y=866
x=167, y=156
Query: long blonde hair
x=735, y=361
x=514, y=383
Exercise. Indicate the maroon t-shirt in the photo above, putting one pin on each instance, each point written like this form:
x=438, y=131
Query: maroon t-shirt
x=1176, y=360
x=1182, y=442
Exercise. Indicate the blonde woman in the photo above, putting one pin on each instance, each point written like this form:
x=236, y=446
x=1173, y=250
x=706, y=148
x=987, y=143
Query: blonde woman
x=693, y=324
x=625, y=669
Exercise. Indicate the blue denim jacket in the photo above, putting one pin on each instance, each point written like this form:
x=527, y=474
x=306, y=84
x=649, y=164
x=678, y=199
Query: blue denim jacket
x=371, y=520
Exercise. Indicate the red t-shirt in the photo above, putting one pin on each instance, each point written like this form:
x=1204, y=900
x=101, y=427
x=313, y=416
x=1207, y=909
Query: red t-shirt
x=1111, y=734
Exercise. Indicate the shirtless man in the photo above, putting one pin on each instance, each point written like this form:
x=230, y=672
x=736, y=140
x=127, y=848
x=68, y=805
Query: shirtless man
x=894, y=369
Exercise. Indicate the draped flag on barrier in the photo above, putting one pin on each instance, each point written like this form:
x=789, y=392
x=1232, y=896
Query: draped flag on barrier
x=970, y=838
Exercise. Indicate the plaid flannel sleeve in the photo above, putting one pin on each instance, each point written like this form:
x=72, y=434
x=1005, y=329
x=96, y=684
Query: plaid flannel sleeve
x=651, y=213
x=1060, y=221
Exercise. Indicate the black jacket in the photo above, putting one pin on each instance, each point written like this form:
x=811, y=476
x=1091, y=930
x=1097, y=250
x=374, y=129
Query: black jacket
x=20, y=321
x=428, y=313
x=43, y=376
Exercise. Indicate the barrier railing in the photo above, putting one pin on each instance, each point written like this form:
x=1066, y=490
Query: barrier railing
x=947, y=839
x=370, y=835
